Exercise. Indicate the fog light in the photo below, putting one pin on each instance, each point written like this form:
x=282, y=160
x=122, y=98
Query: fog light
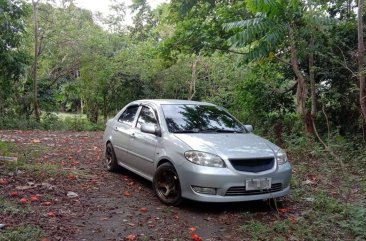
x=204, y=190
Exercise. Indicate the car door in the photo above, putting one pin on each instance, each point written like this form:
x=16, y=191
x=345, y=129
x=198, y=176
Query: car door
x=122, y=130
x=143, y=145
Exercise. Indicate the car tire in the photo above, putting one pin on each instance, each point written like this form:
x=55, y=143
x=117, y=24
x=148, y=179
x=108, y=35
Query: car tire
x=111, y=163
x=166, y=185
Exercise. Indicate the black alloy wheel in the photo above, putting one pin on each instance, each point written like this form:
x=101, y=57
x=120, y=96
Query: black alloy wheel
x=166, y=185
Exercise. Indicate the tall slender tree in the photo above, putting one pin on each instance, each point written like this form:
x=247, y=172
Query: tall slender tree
x=35, y=59
x=361, y=56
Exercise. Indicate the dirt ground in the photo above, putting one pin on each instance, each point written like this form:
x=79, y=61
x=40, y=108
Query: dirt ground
x=109, y=206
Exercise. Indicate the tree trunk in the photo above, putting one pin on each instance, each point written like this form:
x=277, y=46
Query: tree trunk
x=361, y=54
x=34, y=66
x=312, y=79
x=192, y=84
x=302, y=92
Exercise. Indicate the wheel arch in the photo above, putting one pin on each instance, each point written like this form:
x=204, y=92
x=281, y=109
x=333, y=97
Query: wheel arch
x=164, y=160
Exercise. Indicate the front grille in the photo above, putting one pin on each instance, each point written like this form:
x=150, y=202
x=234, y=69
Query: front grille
x=253, y=165
x=240, y=191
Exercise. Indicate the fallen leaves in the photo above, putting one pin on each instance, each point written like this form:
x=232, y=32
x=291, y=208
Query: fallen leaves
x=192, y=229
x=293, y=219
x=22, y=188
x=195, y=237
x=72, y=176
x=131, y=237
x=14, y=194
x=282, y=210
x=126, y=194
x=3, y=181
x=51, y=214
x=23, y=200
x=72, y=194
x=143, y=210
x=34, y=198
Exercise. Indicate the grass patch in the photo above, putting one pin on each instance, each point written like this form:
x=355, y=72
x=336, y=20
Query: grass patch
x=22, y=233
x=52, y=121
x=11, y=209
x=25, y=155
x=256, y=229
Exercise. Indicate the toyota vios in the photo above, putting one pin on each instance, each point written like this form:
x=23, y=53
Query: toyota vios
x=195, y=150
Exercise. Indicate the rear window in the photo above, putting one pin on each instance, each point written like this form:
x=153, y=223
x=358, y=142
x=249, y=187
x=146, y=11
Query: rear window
x=128, y=115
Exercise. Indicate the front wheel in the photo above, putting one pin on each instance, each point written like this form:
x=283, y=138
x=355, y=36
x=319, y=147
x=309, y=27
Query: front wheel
x=166, y=185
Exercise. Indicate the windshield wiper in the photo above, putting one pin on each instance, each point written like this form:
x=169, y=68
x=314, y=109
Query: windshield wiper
x=187, y=131
x=218, y=130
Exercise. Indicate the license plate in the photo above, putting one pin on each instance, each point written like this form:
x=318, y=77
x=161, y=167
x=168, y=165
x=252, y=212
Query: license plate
x=258, y=183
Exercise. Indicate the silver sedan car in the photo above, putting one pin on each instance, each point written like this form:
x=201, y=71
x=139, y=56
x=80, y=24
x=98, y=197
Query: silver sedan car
x=195, y=150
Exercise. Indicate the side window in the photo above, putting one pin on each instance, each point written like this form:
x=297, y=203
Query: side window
x=146, y=116
x=128, y=115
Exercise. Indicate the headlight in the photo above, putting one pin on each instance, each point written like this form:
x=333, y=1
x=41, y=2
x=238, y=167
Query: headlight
x=281, y=157
x=204, y=159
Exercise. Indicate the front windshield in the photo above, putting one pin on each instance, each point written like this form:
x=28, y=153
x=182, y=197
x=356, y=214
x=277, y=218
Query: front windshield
x=199, y=118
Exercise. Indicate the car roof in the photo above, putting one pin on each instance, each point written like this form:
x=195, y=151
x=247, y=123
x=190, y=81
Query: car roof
x=171, y=102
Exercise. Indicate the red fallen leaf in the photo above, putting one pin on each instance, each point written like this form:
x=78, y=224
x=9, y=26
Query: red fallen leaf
x=126, y=194
x=130, y=183
x=23, y=200
x=195, y=237
x=93, y=181
x=36, y=141
x=143, y=210
x=14, y=194
x=3, y=181
x=47, y=203
x=192, y=229
x=71, y=176
x=131, y=237
x=292, y=218
x=44, y=239
x=34, y=198
x=282, y=210
x=51, y=214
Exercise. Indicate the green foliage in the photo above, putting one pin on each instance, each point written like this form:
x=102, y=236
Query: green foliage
x=356, y=222
x=256, y=229
x=22, y=233
x=9, y=208
x=198, y=26
x=13, y=58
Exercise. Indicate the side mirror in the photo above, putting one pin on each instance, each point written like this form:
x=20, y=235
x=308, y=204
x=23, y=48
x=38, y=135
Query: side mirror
x=249, y=128
x=151, y=129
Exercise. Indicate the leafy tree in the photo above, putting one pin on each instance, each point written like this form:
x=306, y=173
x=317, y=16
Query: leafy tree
x=13, y=58
x=276, y=31
x=198, y=26
x=143, y=20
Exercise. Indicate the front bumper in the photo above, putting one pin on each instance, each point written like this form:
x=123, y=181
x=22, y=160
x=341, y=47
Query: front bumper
x=223, y=179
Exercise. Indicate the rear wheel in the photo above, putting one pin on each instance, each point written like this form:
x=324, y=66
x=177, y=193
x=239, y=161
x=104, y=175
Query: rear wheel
x=166, y=185
x=110, y=159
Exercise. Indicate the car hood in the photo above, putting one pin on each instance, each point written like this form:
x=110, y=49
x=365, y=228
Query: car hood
x=229, y=145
